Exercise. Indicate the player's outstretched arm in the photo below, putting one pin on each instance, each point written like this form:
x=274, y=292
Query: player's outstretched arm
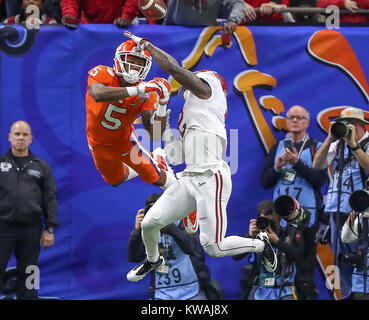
x=167, y=63
x=102, y=93
x=185, y=77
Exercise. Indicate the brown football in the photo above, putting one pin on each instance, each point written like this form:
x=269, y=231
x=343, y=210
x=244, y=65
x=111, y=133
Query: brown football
x=153, y=9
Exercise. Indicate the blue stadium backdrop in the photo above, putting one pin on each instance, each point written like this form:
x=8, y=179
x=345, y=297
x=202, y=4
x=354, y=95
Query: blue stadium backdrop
x=268, y=69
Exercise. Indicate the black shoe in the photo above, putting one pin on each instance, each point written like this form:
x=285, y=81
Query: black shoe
x=140, y=271
x=268, y=256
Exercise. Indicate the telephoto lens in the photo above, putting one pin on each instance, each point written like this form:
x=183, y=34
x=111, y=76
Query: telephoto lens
x=359, y=200
x=340, y=129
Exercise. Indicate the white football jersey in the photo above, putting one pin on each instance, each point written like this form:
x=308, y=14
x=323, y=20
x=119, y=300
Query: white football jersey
x=205, y=114
x=202, y=125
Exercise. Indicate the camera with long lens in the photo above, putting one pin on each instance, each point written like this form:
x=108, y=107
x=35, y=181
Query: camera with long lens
x=340, y=129
x=289, y=209
x=355, y=259
x=263, y=223
x=359, y=202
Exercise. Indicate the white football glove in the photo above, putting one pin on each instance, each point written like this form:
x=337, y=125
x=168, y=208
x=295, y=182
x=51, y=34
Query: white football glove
x=164, y=92
x=140, y=42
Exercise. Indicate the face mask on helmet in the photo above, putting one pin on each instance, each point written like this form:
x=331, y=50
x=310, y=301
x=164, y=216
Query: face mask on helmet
x=130, y=71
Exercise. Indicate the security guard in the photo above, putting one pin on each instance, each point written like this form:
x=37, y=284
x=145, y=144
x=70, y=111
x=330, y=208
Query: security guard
x=28, y=199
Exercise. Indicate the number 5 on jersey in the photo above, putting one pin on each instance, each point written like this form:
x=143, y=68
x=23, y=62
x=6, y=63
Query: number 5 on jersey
x=108, y=116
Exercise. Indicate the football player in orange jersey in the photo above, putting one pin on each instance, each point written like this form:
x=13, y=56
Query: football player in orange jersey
x=115, y=97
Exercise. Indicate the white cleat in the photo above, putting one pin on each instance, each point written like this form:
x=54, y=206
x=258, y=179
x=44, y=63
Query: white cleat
x=140, y=271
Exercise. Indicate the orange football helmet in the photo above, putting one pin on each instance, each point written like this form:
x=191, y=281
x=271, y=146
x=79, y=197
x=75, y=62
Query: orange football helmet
x=131, y=72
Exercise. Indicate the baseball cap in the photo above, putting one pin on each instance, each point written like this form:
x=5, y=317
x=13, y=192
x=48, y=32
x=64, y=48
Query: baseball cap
x=352, y=113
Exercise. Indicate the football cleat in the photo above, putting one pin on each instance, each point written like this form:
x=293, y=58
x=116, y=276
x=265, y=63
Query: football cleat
x=140, y=271
x=190, y=223
x=268, y=256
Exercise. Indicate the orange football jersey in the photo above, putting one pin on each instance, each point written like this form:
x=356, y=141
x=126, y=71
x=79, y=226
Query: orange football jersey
x=112, y=122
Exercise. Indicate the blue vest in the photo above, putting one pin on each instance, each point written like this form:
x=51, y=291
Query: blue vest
x=299, y=189
x=272, y=293
x=352, y=180
x=358, y=278
x=179, y=281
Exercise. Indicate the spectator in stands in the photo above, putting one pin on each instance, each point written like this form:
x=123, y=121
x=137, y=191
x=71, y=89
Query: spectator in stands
x=269, y=10
x=10, y=7
x=119, y=12
x=205, y=13
x=350, y=5
x=185, y=275
x=306, y=16
x=23, y=16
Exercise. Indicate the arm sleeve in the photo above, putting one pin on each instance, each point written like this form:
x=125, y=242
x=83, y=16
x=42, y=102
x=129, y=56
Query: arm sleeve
x=347, y=235
x=326, y=3
x=316, y=177
x=269, y=176
x=363, y=4
x=237, y=9
x=295, y=251
x=50, y=199
x=135, y=247
x=130, y=10
x=70, y=7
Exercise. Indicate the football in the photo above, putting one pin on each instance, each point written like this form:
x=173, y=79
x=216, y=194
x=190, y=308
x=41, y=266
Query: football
x=153, y=9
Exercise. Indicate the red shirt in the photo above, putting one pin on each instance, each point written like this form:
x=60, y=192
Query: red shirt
x=350, y=17
x=101, y=11
x=272, y=17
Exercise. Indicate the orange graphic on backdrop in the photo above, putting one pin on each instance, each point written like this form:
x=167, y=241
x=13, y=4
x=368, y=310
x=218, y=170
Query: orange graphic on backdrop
x=331, y=47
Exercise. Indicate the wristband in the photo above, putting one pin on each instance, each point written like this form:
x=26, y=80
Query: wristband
x=161, y=111
x=132, y=91
x=355, y=148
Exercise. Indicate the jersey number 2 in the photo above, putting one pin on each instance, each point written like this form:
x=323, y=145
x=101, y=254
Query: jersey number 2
x=108, y=116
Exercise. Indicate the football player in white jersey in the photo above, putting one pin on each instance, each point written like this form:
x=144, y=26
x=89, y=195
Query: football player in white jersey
x=205, y=185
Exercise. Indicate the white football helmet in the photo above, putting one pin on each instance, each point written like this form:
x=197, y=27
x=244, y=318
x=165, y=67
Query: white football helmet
x=124, y=68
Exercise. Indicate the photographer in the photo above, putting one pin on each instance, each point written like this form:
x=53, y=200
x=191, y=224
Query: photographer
x=185, y=275
x=355, y=230
x=258, y=284
x=349, y=157
x=288, y=170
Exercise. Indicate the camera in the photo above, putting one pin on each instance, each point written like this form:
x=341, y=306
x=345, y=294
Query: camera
x=262, y=223
x=290, y=210
x=354, y=259
x=340, y=129
x=359, y=202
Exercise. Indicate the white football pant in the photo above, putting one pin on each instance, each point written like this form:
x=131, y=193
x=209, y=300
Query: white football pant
x=208, y=193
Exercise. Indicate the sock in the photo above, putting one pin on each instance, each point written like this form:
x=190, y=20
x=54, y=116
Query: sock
x=131, y=173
